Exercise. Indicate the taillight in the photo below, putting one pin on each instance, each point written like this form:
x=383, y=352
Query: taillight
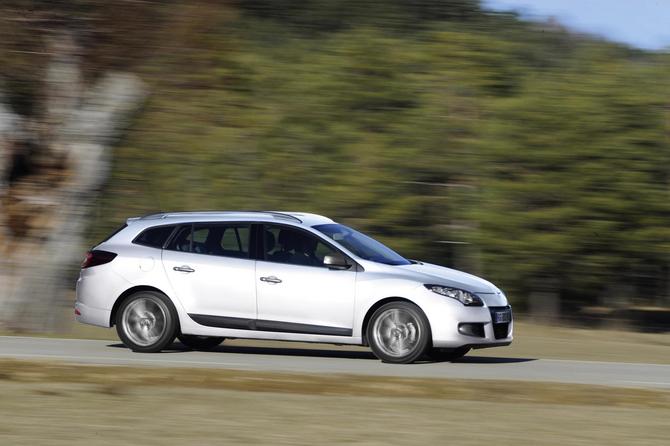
x=97, y=257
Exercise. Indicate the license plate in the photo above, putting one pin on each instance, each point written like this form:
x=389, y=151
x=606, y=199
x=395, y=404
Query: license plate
x=501, y=317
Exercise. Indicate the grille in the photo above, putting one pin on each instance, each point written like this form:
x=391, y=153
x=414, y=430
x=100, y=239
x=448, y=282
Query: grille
x=500, y=331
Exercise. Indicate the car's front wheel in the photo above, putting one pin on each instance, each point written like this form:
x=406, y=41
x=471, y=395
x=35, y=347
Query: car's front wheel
x=147, y=322
x=398, y=332
x=199, y=342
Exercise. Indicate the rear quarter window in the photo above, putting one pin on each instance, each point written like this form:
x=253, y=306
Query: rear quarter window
x=154, y=237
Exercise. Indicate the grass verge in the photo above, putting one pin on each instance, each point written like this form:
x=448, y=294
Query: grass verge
x=61, y=404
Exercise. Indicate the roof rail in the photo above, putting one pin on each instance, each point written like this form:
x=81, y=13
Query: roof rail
x=281, y=215
x=276, y=214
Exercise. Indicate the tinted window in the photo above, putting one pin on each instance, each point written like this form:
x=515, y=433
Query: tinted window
x=182, y=241
x=362, y=245
x=214, y=239
x=287, y=245
x=236, y=239
x=154, y=237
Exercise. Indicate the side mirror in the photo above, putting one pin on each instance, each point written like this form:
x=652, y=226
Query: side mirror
x=336, y=261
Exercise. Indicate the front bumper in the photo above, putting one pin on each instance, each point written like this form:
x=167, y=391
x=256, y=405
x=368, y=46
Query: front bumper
x=471, y=326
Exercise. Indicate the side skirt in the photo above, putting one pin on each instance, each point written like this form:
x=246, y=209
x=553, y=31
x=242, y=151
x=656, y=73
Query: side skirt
x=239, y=323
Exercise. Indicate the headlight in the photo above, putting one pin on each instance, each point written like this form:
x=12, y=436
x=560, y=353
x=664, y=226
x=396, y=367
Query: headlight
x=464, y=297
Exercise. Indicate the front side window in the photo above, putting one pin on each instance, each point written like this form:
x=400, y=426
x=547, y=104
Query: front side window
x=283, y=244
x=363, y=246
x=227, y=240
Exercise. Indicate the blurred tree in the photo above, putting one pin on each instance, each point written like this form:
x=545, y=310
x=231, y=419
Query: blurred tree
x=499, y=143
x=574, y=181
x=54, y=139
x=389, y=15
x=515, y=150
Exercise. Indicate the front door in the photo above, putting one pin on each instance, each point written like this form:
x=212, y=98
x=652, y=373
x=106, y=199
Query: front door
x=210, y=270
x=296, y=293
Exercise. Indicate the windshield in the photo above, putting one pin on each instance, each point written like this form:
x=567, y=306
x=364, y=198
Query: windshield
x=363, y=246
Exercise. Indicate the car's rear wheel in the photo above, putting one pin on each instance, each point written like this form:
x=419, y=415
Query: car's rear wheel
x=447, y=354
x=199, y=342
x=147, y=322
x=398, y=332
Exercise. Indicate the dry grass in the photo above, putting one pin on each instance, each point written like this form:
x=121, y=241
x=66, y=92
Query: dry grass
x=552, y=342
x=57, y=404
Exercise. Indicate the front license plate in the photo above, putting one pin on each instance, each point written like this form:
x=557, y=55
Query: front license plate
x=501, y=317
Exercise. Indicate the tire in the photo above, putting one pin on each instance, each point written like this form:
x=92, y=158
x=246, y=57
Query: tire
x=447, y=354
x=398, y=332
x=147, y=322
x=199, y=342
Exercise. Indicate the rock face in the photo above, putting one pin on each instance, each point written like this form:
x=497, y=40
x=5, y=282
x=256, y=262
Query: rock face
x=50, y=170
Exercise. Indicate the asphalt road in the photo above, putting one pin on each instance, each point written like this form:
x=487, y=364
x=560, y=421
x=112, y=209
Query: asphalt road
x=290, y=358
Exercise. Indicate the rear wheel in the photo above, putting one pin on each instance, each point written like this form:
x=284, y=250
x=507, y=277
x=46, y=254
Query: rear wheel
x=447, y=354
x=398, y=332
x=199, y=342
x=146, y=322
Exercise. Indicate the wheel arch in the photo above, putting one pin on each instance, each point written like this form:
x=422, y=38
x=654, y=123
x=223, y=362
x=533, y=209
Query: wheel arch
x=379, y=303
x=130, y=292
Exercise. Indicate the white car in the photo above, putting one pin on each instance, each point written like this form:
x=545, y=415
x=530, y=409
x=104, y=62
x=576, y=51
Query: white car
x=206, y=276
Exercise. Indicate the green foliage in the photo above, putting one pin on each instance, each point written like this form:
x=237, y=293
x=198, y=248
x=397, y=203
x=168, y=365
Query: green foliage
x=577, y=167
x=541, y=154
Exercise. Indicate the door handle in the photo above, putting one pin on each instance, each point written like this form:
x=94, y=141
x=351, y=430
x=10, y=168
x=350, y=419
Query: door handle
x=270, y=279
x=184, y=269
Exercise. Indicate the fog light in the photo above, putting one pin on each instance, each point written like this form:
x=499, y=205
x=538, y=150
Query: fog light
x=471, y=329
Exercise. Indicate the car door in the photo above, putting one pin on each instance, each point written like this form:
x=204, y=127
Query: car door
x=295, y=292
x=211, y=271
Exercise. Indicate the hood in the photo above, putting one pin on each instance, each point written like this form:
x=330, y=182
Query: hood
x=439, y=275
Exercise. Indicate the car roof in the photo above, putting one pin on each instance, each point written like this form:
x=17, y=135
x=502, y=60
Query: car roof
x=303, y=218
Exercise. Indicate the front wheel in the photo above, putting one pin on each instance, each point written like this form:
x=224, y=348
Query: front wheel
x=147, y=322
x=398, y=332
x=199, y=342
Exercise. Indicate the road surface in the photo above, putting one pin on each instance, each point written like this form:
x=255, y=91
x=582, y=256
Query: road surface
x=288, y=358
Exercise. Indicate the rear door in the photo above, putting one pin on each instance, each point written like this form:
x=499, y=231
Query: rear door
x=210, y=269
x=295, y=292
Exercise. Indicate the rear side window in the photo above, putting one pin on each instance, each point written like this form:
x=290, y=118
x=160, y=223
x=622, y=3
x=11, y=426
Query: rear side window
x=154, y=237
x=226, y=240
x=182, y=240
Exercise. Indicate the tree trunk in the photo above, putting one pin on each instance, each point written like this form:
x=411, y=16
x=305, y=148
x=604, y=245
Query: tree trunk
x=45, y=211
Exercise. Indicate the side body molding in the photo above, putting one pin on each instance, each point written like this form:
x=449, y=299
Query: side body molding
x=239, y=323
